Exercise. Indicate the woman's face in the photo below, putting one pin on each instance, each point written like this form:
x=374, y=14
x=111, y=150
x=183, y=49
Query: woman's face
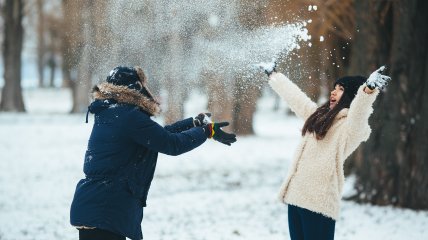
x=335, y=95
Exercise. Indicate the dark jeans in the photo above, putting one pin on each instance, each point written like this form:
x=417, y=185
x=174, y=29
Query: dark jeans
x=98, y=234
x=307, y=225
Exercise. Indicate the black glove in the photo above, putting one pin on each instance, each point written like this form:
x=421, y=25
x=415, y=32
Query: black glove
x=202, y=119
x=213, y=130
x=376, y=79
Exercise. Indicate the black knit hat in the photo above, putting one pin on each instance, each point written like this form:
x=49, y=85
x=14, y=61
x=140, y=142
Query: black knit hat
x=124, y=76
x=351, y=84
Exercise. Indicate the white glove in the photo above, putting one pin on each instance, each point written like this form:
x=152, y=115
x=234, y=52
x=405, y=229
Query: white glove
x=376, y=79
x=202, y=119
x=267, y=67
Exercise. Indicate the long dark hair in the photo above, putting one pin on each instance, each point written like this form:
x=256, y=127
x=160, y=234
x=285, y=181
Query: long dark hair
x=322, y=119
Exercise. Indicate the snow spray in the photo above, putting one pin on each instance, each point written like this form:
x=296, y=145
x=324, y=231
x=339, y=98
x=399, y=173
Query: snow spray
x=182, y=39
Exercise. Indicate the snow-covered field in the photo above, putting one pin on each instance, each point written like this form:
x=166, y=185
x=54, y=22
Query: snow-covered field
x=214, y=192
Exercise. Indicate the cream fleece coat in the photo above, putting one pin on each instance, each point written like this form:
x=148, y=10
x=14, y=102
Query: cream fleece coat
x=315, y=178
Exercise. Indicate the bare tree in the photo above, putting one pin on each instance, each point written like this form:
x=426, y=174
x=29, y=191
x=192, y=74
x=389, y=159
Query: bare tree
x=11, y=98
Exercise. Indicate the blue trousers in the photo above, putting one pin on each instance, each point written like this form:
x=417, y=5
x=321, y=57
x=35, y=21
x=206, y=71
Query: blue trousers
x=98, y=234
x=307, y=225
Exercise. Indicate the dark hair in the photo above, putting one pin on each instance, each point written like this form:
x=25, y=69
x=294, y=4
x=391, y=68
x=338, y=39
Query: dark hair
x=321, y=120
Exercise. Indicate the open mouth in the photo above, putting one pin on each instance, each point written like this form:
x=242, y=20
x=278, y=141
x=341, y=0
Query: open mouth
x=333, y=102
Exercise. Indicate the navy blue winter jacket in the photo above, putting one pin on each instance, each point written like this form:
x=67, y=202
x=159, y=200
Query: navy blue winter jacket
x=121, y=158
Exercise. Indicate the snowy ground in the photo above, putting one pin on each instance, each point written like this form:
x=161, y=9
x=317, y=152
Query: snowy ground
x=213, y=192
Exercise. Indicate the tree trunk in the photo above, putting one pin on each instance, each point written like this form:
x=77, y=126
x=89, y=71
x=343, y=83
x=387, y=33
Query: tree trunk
x=66, y=44
x=71, y=44
x=40, y=42
x=174, y=80
x=365, y=56
x=220, y=98
x=11, y=98
x=393, y=167
x=52, y=66
x=85, y=68
x=246, y=93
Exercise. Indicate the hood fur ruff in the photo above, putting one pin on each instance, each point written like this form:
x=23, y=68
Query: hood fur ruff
x=123, y=94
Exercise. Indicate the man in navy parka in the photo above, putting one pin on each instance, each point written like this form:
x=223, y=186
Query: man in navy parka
x=122, y=152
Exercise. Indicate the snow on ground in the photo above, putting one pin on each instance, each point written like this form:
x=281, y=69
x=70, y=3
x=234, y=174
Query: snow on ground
x=213, y=192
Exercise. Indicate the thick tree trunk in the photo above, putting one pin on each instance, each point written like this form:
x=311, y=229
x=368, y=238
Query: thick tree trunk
x=176, y=98
x=393, y=168
x=220, y=98
x=365, y=56
x=174, y=80
x=83, y=82
x=246, y=93
x=11, y=98
x=71, y=44
x=67, y=51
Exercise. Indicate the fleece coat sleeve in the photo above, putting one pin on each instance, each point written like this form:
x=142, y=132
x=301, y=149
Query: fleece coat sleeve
x=356, y=127
x=298, y=102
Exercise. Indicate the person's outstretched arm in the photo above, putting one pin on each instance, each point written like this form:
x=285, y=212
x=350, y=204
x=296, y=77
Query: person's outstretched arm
x=357, y=128
x=298, y=102
x=186, y=124
x=150, y=134
x=180, y=126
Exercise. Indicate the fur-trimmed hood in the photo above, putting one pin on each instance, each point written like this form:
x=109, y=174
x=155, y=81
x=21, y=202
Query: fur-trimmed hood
x=123, y=94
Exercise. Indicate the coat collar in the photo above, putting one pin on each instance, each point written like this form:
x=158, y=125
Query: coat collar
x=122, y=94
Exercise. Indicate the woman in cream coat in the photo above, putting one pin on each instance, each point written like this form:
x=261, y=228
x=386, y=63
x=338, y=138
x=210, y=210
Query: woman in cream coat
x=330, y=134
